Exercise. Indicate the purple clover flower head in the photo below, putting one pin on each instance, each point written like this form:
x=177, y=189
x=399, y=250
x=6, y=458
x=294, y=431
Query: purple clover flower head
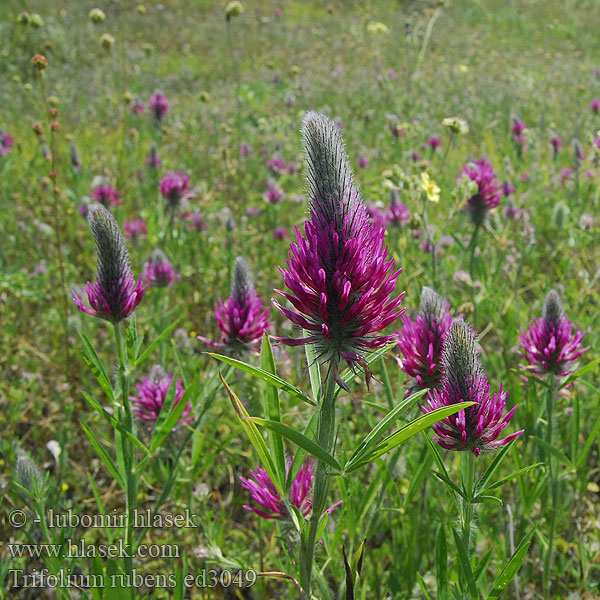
x=159, y=106
x=362, y=162
x=518, y=132
x=565, y=174
x=578, y=153
x=274, y=195
x=153, y=161
x=511, y=211
x=421, y=341
x=397, y=213
x=434, y=142
x=106, y=195
x=6, y=143
x=265, y=494
x=158, y=271
x=488, y=190
x=549, y=345
x=478, y=427
x=339, y=273
x=175, y=188
x=507, y=189
x=556, y=144
x=241, y=318
x=115, y=293
x=277, y=165
x=194, y=220
x=135, y=229
x=137, y=106
x=280, y=233
x=595, y=106
x=152, y=393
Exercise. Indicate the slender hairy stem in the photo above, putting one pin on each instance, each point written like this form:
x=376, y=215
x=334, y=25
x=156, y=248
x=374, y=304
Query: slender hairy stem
x=552, y=495
x=128, y=450
x=467, y=466
x=325, y=439
x=472, y=248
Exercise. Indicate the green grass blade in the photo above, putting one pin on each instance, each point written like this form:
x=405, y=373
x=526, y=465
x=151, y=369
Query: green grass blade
x=271, y=407
x=93, y=361
x=103, y=454
x=255, y=438
x=465, y=565
x=512, y=566
x=146, y=353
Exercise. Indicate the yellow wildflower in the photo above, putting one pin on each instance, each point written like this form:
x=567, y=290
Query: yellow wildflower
x=430, y=188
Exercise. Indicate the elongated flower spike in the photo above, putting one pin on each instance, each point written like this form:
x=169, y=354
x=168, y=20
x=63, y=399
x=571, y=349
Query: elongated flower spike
x=478, y=427
x=421, y=341
x=339, y=273
x=115, y=293
x=549, y=345
x=241, y=319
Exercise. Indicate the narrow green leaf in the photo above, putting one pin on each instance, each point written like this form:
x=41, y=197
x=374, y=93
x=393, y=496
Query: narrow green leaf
x=165, y=410
x=423, y=587
x=405, y=433
x=493, y=466
x=93, y=361
x=512, y=566
x=418, y=475
x=171, y=418
x=104, y=456
x=254, y=436
x=437, y=457
x=314, y=372
x=588, y=444
x=513, y=475
x=113, y=421
x=555, y=451
x=465, y=565
x=481, y=498
x=451, y=485
x=483, y=565
x=441, y=563
x=271, y=407
x=300, y=454
x=146, y=353
x=299, y=439
x=265, y=376
x=378, y=430
x=580, y=372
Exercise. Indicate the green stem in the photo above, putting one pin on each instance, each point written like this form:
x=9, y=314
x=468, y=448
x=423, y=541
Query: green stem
x=467, y=466
x=128, y=450
x=325, y=439
x=552, y=487
x=472, y=248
